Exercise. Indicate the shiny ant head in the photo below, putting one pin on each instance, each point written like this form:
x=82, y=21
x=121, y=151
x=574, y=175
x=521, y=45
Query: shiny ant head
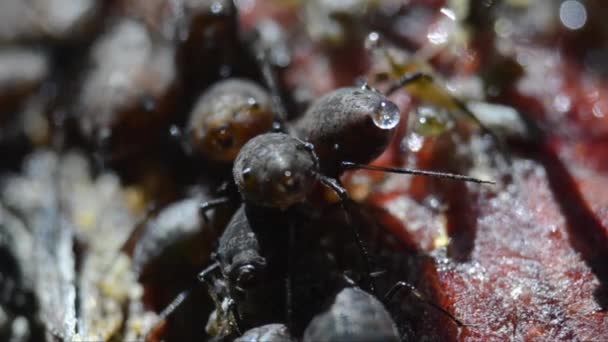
x=275, y=170
x=226, y=117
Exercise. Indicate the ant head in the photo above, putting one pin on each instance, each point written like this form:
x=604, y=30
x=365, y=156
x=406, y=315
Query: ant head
x=226, y=117
x=275, y=170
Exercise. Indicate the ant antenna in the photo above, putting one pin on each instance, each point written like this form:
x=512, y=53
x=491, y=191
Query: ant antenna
x=271, y=82
x=374, y=39
x=289, y=284
x=421, y=297
x=343, y=194
x=167, y=311
x=211, y=204
x=407, y=79
x=350, y=165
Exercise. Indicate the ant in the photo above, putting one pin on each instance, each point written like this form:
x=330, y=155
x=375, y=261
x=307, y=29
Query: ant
x=224, y=118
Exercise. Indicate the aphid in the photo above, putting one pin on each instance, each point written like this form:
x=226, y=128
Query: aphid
x=268, y=332
x=355, y=315
x=225, y=117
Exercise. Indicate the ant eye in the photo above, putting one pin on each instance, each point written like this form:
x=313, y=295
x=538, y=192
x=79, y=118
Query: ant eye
x=289, y=182
x=386, y=115
x=223, y=138
x=246, y=174
x=253, y=104
x=246, y=277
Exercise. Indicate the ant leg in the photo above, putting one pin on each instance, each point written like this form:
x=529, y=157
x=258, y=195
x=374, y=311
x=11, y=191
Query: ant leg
x=407, y=79
x=168, y=310
x=238, y=323
x=175, y=303
x=421, y=297
x=418, y=76
x=203, y=277
x=350, y=165
x=214, y=203
x=343, y=194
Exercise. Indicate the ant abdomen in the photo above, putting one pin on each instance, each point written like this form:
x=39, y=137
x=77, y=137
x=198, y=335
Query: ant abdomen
x=354, y=124
x=355, y=315
x=226, y=116
x=268, y=332
x=275, y=170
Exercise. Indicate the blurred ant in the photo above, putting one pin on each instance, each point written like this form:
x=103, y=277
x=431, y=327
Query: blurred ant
x=224, y=118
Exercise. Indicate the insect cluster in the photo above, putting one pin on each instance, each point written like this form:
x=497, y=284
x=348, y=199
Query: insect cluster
x=254, y=196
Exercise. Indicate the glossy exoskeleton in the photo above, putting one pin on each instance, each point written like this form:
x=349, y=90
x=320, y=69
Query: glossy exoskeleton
x=355, y=315
x=269, y=332
x=176, y=235
x=225, y=117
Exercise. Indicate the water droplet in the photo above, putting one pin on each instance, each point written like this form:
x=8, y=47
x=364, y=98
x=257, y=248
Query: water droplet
x=387, y=115
x=415, y=142
x=431, y=121
x=573, y=14
x=372, y=41
x=216, y=7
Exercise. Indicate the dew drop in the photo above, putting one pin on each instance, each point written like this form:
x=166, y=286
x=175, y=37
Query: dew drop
x=415, y=142
x=386, y=115
x=372, y=41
